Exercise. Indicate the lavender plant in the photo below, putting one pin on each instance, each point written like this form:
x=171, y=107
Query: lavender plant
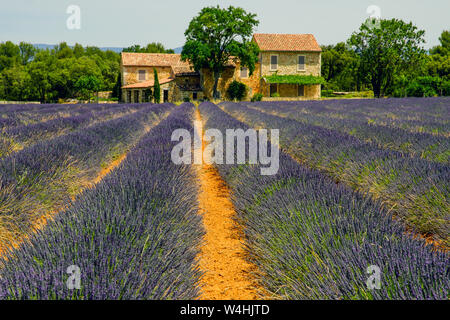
x=134, y=236
x=314, y=239
x=413, y=189
x=41, y=179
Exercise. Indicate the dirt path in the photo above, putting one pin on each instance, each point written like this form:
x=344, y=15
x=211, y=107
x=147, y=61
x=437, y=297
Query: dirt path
x=227, y=275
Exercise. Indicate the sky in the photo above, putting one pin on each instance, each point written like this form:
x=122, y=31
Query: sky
x=112, y=23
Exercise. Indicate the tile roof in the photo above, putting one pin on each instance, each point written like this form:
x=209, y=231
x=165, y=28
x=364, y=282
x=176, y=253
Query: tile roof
x=146, y=84
x=286, y=42
x=152, y=59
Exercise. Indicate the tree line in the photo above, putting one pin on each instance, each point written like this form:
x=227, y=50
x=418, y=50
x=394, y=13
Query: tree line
x=389, y=60
x=63, y=72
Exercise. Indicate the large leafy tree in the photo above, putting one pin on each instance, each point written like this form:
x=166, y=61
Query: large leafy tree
x=393, y=48
x=217, y=35
x=340, y=68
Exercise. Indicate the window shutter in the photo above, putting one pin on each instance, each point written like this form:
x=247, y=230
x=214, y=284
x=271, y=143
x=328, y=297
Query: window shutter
x=301, y=62
x=273, y=62
x=141, y=74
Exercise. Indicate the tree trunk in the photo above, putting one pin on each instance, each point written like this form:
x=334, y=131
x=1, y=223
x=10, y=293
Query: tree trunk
x=216, y=82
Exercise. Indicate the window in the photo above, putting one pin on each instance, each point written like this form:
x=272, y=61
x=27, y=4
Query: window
x=194, y=96
x=136, y=96
x=301, y=63
x=141, y=75
x=244, y=72
x=301, y=90
x=129, y=96
x=273, y=62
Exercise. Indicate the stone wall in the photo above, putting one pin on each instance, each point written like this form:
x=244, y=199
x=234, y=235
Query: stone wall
x=230, y=74
x=288, y=63
x=130, y=75
x=286, y=90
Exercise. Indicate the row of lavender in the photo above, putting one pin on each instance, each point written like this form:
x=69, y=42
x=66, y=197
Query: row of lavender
x=134, y=236
x=17, y=137
x=422, y=145
x=41, y=179
x=414, y=189
x=22, y=116
x=431, y=115
x=313, y=239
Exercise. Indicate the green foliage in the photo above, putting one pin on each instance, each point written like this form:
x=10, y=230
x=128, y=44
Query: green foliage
x=215, y=35
x=257, y=97
x=444, y=48
x=117, y=90
x=275, y=95
x=236, y=90
x=148, y=95
x=424, y=87
x=156, y=88
x=186, y=99
x=154, y=47
x=392, y=49
x=295, y=79
x=340, y=68
x=27, y=73
x=87, y=85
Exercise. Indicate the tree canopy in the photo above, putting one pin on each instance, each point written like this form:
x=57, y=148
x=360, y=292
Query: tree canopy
x=217, y=35
x=27, y=73
x=154, y=47
x=392, y=48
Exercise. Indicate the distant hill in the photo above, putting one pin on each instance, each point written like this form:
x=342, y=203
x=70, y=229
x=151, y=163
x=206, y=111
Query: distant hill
x=115, y=49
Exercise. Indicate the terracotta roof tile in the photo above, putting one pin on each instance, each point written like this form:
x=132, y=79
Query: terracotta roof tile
x=286, y=42
x=150, y=59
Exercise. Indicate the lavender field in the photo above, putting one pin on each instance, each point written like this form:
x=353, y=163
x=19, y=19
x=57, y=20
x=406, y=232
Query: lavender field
x=360, y=183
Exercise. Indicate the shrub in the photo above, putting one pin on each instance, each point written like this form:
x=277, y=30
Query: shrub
x=445, y=87
x=236, y=90
x=186, y=99
x=425, y=87
x=327, y=93
x=275, y=95
x=257, y=97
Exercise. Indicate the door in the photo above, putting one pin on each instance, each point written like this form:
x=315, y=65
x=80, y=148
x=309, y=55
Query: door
x=166, y=95
x=273, y=89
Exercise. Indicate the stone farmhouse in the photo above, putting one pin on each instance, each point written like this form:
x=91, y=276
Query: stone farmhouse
x=284, y=56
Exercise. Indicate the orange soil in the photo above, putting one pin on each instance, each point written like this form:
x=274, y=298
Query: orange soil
x=227, y=274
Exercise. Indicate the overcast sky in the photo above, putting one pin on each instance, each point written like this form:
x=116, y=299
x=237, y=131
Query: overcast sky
x=111, y=23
